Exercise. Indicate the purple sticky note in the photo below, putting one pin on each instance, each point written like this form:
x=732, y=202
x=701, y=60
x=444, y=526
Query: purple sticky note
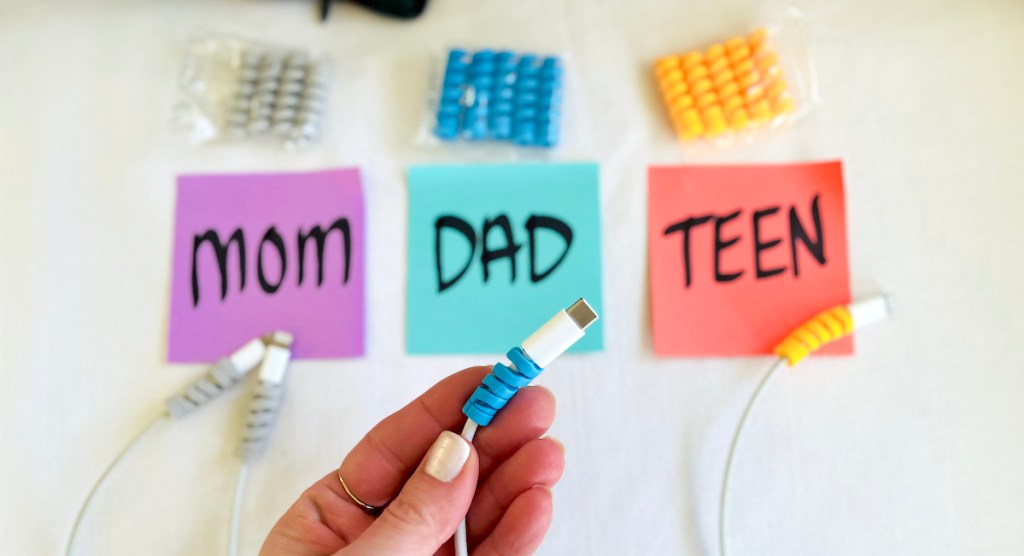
x=260, y=252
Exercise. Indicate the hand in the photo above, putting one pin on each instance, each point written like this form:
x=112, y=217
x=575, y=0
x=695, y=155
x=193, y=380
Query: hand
x=501, y=482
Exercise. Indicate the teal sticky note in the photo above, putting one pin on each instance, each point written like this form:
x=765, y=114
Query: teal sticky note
x=471, y=227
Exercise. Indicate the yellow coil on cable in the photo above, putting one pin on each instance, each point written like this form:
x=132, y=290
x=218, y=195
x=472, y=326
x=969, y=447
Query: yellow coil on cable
x=825, y=327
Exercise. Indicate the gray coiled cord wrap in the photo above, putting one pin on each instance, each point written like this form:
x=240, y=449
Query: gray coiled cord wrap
x=266, y=402
x=205, y=389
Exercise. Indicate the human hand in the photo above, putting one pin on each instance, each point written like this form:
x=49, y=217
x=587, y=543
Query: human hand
x=501, y=482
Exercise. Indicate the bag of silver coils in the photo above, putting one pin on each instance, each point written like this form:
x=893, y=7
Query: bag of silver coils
x=233, y=89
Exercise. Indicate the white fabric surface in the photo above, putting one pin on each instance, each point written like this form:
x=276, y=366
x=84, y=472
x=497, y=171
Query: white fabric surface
x=911, y=447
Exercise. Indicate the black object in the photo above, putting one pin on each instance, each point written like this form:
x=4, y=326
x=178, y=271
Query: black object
x=405, y=9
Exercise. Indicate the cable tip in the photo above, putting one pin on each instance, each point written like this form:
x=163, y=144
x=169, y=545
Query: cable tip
x=582, y=314
x=279, y=338
x=871, y=310
x=890, y=303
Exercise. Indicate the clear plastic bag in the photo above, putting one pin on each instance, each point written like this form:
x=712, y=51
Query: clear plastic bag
x=739, y=89
x=234, y=89
x=498, y=100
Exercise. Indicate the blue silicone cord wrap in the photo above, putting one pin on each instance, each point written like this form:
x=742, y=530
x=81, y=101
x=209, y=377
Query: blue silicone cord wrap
x=499, y=387
x=501, y=96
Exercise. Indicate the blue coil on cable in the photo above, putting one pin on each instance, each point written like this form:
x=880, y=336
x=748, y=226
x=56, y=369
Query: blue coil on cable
x=499, y=386
x=500, y=96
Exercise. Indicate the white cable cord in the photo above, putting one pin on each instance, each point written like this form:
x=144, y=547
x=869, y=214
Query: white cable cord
x=152, y=425
x=264, y=406
x=236, y=509
x=536, y=352
x=469, y=431
x=461, y=544
x=723, y=499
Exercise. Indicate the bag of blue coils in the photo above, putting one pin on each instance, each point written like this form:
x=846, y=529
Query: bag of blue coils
x=500, y=96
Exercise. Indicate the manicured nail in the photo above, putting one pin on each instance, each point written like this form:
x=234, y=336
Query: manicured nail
x=545, y=488
x=447, y=457
x=557, y=442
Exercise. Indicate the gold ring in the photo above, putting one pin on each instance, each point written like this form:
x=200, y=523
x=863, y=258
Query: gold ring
x=372, y=510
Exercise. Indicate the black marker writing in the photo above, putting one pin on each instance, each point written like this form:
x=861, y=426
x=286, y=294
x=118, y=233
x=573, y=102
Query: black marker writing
x=275, y=239
x=221, y=250
x=721, y=241
x=504, y=246
x=271, y=244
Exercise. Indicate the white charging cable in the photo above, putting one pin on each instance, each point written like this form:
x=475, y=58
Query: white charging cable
x=824, y=328
x=525, y=363
x=263, y=409
x=223, y=376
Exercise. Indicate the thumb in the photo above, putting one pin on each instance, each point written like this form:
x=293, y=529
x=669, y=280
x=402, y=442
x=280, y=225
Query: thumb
x=427, y=511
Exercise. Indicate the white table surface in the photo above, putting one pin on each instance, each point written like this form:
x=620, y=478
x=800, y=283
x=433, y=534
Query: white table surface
x=911, y=447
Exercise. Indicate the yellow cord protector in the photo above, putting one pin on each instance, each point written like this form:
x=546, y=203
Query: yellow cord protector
x=825, y=327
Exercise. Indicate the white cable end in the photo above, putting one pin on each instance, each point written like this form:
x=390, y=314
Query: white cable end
x=278, y=355
x=871, y=310
x=560, y=333
x=248, y=356
x=280, y=338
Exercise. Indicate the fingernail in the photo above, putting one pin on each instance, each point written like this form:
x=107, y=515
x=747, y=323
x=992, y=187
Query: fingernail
x=447, y=457
x=557, y=442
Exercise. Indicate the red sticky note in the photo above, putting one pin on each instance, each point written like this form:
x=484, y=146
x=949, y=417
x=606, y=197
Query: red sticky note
x=741, y=255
